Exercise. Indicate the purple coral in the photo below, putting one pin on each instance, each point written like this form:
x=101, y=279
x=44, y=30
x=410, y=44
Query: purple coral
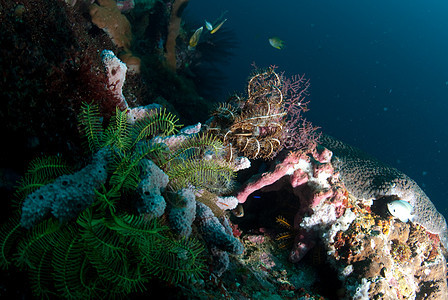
x=312, y=179
x=299, y=133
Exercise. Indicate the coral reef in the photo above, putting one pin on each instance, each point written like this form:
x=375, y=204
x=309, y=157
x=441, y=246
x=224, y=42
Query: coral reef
x=368, y=178
x=90, y=203
x=116, y=75
x=51, y=64
x=386, y=258
x=312, y=181
x=219, y=236
x=93, y=224
x=216, y=233
x=375, y=255
x=145, y=203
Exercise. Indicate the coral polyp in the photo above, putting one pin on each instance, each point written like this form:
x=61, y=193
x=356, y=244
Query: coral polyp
x=400, y=252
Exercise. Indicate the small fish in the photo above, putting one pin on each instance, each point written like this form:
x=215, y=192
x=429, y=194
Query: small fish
x=217, y=27
x=400, y=209
x=238, y=211
x=208, y=25
x=276, y=43
x=195, y=38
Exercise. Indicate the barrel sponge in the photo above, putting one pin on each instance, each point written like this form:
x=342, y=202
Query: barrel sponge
x=68, y=195
x=183, y=211
x=153, y=182
x=216, y=233
x=367, y=178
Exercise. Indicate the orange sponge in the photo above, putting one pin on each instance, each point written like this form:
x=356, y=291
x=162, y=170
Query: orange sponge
x=108, y=17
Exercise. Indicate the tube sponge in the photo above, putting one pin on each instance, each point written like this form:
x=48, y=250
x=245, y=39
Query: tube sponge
x=183, y=211
x=216, y=233
x=154, y=181
x=68, y=195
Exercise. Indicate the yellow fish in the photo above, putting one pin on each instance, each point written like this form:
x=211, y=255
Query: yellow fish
x=195, y=38
x=217, y=27
x=276, y=43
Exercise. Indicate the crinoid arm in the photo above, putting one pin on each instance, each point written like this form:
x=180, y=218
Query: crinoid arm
x=90, y=126
x=161, y=122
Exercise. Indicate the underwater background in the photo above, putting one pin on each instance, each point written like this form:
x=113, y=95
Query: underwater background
x=135, y=131
x=378, y=72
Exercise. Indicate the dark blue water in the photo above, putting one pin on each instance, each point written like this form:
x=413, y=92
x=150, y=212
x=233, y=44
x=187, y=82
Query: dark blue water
x=378, y=71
